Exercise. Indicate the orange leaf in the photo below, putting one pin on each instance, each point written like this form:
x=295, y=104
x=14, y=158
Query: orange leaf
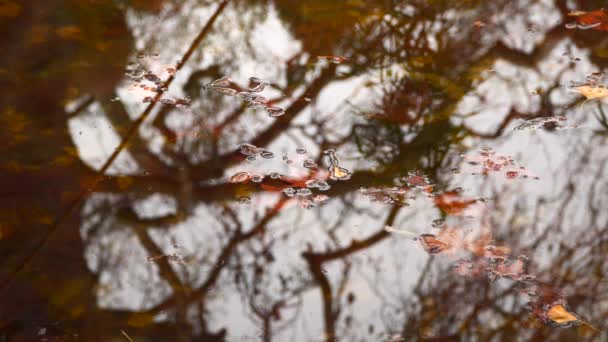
x=558, y=314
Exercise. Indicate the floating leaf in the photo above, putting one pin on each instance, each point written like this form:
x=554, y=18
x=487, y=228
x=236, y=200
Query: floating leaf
x=432, y=244
x=559, y=315
x=451, y=203
x=592, y=92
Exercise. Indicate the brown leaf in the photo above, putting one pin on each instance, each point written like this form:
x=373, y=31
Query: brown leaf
x=432, y=244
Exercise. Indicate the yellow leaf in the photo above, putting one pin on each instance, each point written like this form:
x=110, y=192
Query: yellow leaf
x=558, y=314
x=591, y=92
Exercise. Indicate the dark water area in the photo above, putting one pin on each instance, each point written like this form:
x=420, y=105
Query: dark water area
x=303, y=170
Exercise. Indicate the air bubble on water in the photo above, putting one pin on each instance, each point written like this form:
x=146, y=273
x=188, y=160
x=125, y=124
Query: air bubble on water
x=221, y=82
x=152, y=77
x=284, y=157
x=300, y=150
x=455, y=170
x=303, y=192
x=240, y=177
x=226, y=91
x=307, y=99
x=309, y=164
x=267, y=154
x=167, y=101
x=244, y=200
x=251, y=158
x=289, y=192
x=257, y=178
x=275, y=111
x=275, y=175
x=289, y=161
x=248, y=149
x=115, y=99
x=438, y=223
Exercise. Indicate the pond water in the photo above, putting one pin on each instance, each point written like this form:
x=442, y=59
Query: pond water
x=303, y=170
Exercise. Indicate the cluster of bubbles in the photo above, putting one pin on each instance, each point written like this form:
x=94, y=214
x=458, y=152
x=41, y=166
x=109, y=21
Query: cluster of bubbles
x=307, y=199
x=252, y=151
x=243, y=177
x=251, y=96
x=149, y=82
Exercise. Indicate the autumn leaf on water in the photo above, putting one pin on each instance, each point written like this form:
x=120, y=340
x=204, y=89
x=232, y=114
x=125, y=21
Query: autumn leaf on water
x=550, y=307
x=558, y=314
x=432, y=244
x=452, y=204
x=596, y=20
x=591, y=92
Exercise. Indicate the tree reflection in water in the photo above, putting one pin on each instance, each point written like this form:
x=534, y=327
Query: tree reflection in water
x=279, y=159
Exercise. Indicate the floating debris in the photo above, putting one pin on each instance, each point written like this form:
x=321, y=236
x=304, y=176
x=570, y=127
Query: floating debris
x=597, y=20
x=432, y=244
x=333, y=59
x=399, y=231
x=549, y=123
x=419, y=181
x=257, y=85
x=385, y=195
x=275, y=111
x=170, y=257
x=257, y=178
x=244, y=200
x=266, y=154
x=249, y=149
x=223, y=82
x=488, y=161
x=303, y=192
x=252, y=151
x=225, y=91
x=309, y=164
x=452, y=203
x=318, y=184
x=240, y=177
x=336, y=172
x=289, y=192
